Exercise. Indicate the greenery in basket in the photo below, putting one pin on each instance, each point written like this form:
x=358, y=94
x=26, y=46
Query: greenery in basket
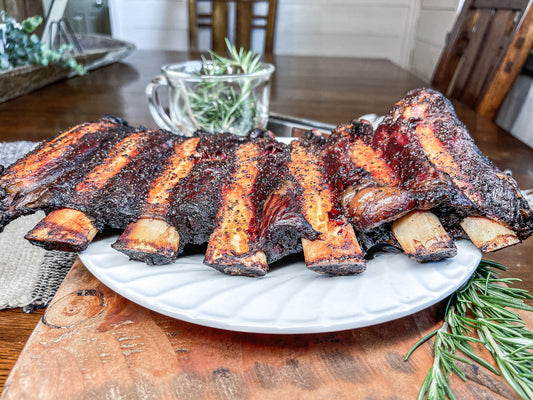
x=22, y=47
x=480, y=312
x=216, y=107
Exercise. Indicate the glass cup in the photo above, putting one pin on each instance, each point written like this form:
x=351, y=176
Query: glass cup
x=232, y=102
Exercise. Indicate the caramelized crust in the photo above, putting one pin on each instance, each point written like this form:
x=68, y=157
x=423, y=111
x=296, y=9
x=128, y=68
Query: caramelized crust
x=424, y=141
x=152, y=239
x=97, y=197
x=230, y=247
x=335, y=251
x=46, y=177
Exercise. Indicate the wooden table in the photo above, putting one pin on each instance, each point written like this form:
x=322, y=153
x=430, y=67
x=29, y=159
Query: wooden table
x=220, y=364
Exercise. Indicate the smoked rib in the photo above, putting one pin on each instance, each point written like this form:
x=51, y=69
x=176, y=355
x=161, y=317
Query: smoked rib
x=230, y=247
x=237, y=245
x=335, y=250
x=365, y=184
x=181, y=202
x=108, y=195
x=195, y=200
x=46, y=176
x=371, y=195
x=427, y=144
x=151, y=238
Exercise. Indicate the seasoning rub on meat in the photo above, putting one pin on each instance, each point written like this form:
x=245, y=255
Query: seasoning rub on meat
x=416, y=182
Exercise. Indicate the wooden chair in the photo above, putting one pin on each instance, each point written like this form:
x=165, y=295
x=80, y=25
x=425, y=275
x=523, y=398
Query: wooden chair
x=246, y=21
x=484, y=53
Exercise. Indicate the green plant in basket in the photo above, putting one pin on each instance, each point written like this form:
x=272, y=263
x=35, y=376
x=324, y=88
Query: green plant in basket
x=225, y=102
x=22, y=47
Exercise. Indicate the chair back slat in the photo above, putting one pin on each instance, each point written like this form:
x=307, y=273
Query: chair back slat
x=219, y=26
x=497, y=39
x=474, y=39
x=477, y=45
x=246, y=22
x=243, y=25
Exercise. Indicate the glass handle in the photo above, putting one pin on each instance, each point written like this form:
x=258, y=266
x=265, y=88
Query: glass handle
x=154, y=105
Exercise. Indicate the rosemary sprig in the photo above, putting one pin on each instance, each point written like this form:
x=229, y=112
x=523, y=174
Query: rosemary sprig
x=481, y=307
x=215, y=105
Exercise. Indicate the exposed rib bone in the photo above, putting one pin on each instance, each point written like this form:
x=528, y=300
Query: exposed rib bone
x=151, y=239
x=336, y=250
x=65, y=230
x=422, y=237
x=488, y=235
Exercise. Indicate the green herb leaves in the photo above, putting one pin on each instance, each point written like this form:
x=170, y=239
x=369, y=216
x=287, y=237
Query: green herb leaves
x=23, y=47
x=482, y=308
x=220, y=105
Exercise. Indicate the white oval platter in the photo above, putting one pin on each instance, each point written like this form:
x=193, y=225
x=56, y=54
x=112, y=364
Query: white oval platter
x=289, y=298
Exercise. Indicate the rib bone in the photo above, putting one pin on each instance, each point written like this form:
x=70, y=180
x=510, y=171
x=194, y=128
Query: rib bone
x=152, y=239
x=230, y=247
x=423, y=237
x=336, y=250
x=488, y=235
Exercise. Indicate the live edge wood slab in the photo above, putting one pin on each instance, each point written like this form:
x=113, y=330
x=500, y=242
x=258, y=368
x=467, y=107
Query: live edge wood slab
x=91, y=343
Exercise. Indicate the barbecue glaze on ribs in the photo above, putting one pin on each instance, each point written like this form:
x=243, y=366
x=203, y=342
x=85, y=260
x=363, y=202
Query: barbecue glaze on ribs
x=372, y=195
x=109, y=193
x=45, y=177
x=336, y=250
x=255, y=200
x=431, y=150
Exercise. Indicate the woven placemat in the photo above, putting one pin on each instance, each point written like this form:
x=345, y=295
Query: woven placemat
x=29, y=275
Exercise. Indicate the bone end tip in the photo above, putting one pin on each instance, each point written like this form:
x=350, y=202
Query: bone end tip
x=63, y=230
x=254, y=264
x=149, y=240
x=488, y=235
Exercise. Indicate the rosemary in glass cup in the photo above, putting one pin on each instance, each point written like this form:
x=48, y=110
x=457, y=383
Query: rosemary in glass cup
x=224, y=95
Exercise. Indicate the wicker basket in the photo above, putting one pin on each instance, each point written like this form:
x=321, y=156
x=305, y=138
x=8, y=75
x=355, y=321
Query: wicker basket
x=98, y=50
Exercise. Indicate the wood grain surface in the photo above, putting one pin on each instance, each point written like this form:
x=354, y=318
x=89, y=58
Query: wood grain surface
x=92, y=343
x=154, y=356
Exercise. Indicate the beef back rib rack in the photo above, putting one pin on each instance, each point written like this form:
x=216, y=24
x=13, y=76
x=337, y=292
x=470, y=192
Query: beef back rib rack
x=417, y=183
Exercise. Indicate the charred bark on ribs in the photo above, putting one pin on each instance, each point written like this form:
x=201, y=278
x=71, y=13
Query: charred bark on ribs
x=241, y=242
x=335, y=249
x=374, y=197
x=431, y=150
x=108, y=195
x=196, y=198
x=45, y=177
x=256, y=200
x=182, y=200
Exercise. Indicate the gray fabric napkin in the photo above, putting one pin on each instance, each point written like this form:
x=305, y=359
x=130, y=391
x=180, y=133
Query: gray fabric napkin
x=29, y=275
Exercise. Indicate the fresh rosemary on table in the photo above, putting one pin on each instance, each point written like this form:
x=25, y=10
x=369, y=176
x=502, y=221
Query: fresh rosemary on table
x=215, y=106
x=481, y=308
